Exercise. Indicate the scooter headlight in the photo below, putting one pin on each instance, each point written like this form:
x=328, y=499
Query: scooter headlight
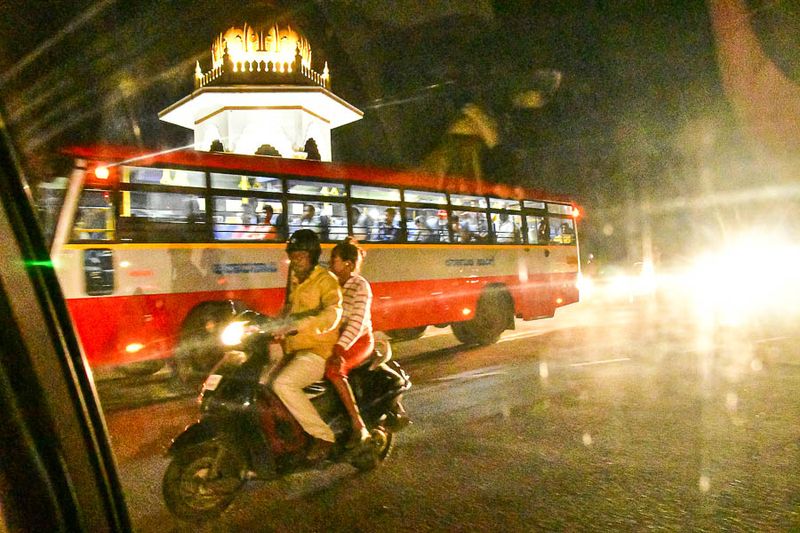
x=234, y=333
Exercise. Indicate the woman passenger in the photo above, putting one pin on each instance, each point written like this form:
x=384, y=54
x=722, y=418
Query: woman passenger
x=356, y=342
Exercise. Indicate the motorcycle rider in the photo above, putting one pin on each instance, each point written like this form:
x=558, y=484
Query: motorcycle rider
x=356, y=342
x=314, y=305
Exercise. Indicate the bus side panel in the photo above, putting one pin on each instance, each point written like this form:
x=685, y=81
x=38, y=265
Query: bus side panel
x=547, y=279
x=406, y=304
x=539, y=279
x=403, y=304
x=127, y=329
x=155, y=286
x=541, y=294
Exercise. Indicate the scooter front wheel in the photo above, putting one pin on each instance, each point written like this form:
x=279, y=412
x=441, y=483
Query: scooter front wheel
x=375, y=451
x=201, y=481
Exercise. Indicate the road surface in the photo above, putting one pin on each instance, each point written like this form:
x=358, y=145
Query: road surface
x=614, y=415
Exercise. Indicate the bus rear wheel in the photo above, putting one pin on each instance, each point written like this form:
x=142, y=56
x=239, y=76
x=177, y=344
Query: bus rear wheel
x=494, y=314
x=407, y=334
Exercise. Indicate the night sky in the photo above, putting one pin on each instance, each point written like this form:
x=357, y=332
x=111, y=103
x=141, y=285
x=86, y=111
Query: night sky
x=639, y=81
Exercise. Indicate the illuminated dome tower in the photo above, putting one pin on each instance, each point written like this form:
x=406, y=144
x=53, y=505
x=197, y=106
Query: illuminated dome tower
x=261, y=92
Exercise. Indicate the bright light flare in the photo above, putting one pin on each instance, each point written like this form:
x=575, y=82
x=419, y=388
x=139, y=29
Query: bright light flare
x=101, y=173
x=750, y=277
x=134, y=347
x=233, y=333
x=585, y=286
x=640, y=284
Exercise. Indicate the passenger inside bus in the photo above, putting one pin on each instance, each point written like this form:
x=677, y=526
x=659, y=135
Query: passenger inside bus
x=565, y=234
x=506, y=230
x=361, y=223
x=470, y=227
x=309, y=219
x=422, y=231
x=543, y=232
x=388, y=229
x=270, y=233
x=326, y=219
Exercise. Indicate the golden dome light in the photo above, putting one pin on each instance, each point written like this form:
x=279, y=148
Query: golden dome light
x=261, y=55
x=274, y=43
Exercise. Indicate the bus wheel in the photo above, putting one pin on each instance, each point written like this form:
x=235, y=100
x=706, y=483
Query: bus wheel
x=199, y=348
x=494, y=313
x=407, y=334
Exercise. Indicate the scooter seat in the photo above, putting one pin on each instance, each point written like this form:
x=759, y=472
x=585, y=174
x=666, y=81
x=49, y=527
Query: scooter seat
x=319, y=387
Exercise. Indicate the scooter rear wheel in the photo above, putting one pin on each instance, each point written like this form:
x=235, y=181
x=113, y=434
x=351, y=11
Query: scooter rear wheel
x=201, y=481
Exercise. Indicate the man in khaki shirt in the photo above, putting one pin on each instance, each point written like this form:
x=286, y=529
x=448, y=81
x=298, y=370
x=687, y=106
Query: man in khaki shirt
x=315, y=301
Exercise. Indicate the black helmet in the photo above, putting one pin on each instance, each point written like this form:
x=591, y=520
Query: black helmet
x=305, y=240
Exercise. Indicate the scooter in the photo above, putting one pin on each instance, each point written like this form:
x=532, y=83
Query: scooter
x=245, y=433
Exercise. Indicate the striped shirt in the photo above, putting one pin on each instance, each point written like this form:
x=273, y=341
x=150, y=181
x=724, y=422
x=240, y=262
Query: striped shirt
x=357, y=317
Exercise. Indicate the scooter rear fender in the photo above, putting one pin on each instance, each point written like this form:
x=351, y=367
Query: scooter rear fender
x=210, y=429
x=197, y=433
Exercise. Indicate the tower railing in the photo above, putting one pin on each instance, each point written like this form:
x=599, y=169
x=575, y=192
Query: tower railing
x=261, y=72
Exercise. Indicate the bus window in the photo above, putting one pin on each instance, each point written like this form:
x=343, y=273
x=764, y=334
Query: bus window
x=374, y=193
x=94, y=220
x=530, y=204
x=562, y=230
x=316, y=188
x=507, y=228
x=468, y=201
x=375, y=223
x=538, y=232
x=426, y=197
x=559, y=209
x=246, y=183
x=50, y=199
x=163, y=176
x=238, y=218
x=470, y=226
x=500, y=203
x=147, y=216
x=427, y=225
x=327, y=219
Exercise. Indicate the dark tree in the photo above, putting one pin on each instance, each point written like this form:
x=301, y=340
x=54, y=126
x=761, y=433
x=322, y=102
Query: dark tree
x=312, y=150
x=268, y=149
x=216, y=146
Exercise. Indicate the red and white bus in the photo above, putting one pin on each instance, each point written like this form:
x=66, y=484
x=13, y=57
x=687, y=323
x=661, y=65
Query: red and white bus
x=150, y=248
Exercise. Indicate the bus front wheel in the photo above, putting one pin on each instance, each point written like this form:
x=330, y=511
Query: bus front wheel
x=493, y=315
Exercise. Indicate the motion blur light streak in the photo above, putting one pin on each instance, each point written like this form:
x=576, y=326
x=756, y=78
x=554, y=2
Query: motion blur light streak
x=543, y=371
x=76, y=24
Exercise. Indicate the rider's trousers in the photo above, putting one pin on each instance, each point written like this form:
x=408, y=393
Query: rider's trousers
x=303, y=370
